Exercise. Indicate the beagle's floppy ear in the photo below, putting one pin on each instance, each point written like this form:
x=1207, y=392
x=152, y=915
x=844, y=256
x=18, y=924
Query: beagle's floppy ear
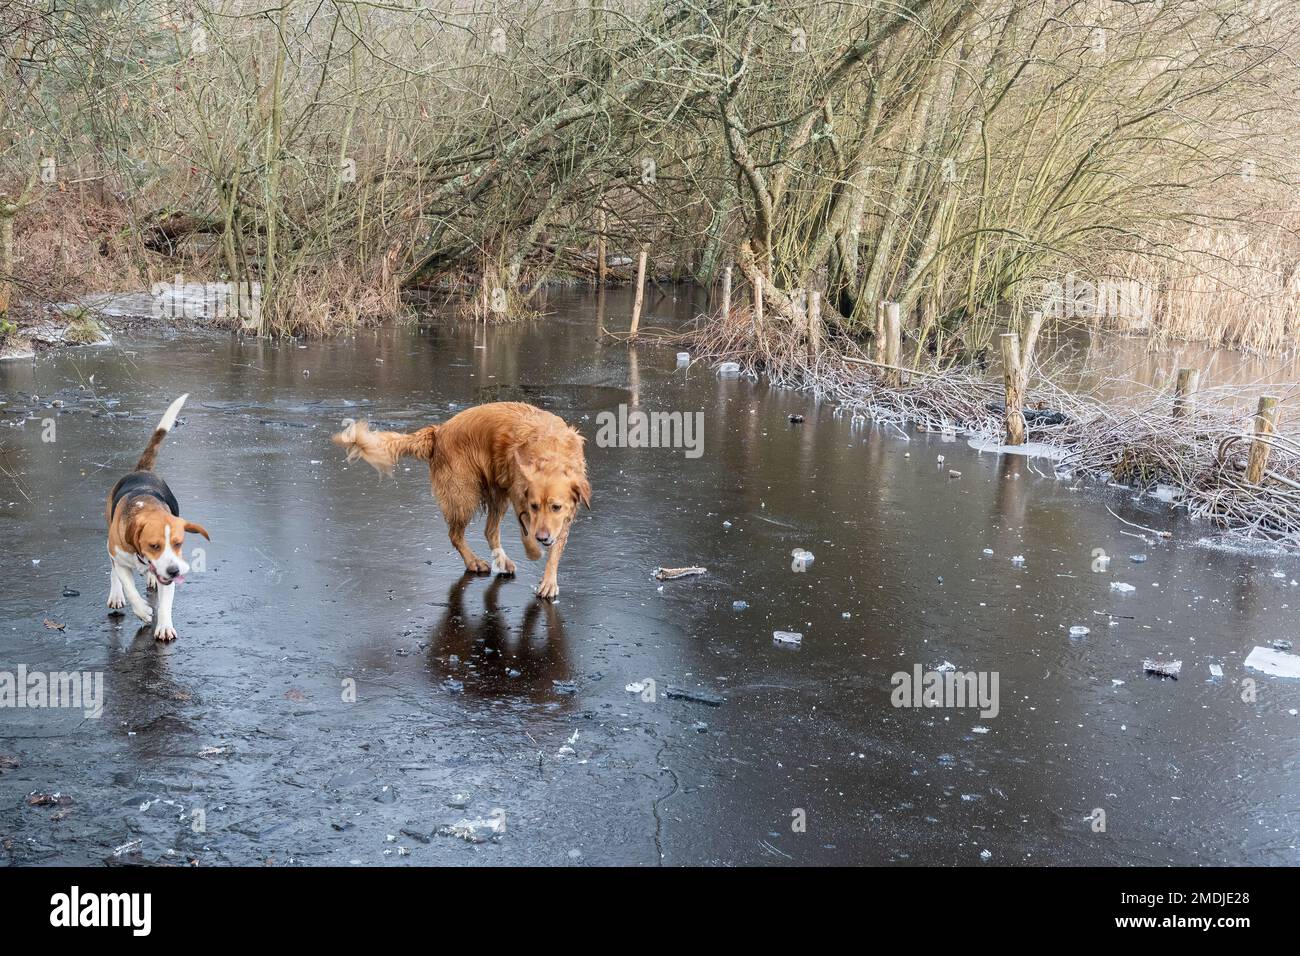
x=131, y=534
x=582, y=491
x=194, y=528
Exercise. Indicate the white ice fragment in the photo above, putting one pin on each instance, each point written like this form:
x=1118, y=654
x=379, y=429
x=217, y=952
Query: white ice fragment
x=787, y=637
x=729, y=369
x=1216, y=670
x=979, y=730
x=1078, y=631
x=800, y=559
x=1275, y=663
x=988, y=550
x=1018, y=559
x=1121, y=587
x=1163, y=668
x=947, y=667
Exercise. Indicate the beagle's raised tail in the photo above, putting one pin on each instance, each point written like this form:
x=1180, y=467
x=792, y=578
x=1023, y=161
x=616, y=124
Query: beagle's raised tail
x=165, y=425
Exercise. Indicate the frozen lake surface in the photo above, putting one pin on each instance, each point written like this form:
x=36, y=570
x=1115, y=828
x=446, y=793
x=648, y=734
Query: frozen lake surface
x=481, y=714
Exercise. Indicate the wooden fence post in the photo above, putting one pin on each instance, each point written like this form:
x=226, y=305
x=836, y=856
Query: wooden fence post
x=1012, y=382
x=1184, y=390
x=893, y=342
x=640, y=290
x=814, y=326
x=1265, y=424
x=726, y=295
x=600, y=250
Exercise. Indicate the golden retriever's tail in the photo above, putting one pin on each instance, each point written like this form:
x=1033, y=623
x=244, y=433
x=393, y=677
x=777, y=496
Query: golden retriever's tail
x=165, y=425
x=383, y=449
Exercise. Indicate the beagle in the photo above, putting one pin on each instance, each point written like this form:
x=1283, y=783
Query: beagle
x=145, y=533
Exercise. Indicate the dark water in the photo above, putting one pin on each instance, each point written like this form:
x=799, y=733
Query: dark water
x=320, y=574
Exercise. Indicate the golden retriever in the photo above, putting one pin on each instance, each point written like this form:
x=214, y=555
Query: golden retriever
x=488, y=457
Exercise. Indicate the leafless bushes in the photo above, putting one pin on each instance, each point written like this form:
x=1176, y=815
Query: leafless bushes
x=951, y=155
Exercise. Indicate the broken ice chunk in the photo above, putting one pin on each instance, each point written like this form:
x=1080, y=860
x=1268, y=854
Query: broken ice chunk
x=1121, y=587
x=787, y=637
x=1216, y=670
x=478, y=830
x=1078, y=631
x=1273, y=662
x=1163, y=668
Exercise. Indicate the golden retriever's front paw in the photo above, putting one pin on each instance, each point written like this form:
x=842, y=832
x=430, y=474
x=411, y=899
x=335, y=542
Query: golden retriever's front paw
x=502, y=564
x=164, y=633
x=549, y=589
x=477, y=566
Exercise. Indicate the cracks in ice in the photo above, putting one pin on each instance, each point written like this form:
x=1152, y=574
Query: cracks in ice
x=654, y=804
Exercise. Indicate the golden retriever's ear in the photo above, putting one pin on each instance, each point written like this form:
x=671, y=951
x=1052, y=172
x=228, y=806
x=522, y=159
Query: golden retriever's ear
x=193, y=528
x=582, y=491
x=524, y=465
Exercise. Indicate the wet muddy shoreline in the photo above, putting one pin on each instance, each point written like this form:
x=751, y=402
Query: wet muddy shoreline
x=469, y=693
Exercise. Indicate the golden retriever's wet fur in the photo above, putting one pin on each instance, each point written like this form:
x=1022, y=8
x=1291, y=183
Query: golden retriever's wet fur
x=490, y=457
